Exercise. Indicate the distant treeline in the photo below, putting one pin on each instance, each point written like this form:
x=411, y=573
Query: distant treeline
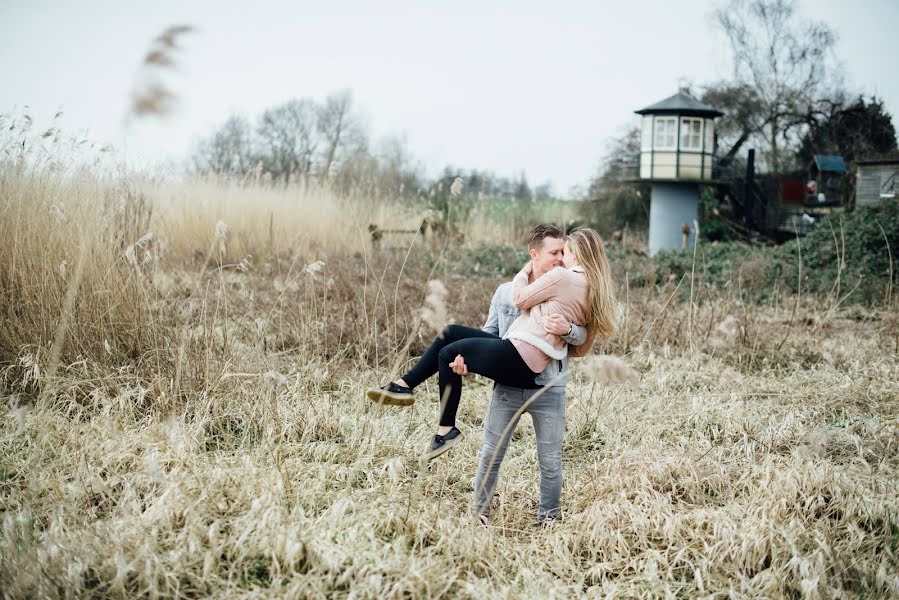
x=326, y=143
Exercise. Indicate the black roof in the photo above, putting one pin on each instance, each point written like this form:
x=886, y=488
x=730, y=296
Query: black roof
x=680, y=104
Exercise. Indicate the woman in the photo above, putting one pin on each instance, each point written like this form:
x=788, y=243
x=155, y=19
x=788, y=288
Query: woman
x=581, y=291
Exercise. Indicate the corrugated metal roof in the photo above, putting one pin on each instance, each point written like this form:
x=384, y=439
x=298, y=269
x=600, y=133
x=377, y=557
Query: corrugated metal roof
x=878, y=161
x=681, y=103
x=826, y=162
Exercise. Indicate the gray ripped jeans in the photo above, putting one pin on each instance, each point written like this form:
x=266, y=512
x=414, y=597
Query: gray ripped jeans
x=548, y=415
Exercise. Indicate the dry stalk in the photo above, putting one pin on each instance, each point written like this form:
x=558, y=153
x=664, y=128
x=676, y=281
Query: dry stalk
x=888, y=297
x=692, y=283
x=798, y=294
x=65, y=319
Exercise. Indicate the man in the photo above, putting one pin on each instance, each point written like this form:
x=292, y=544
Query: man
x=545, y=245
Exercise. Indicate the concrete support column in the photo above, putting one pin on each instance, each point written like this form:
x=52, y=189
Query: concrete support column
x=670, y=206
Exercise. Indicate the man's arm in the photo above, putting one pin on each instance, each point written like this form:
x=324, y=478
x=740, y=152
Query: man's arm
x=577, y=336
x=585, y=348
x=492, y=323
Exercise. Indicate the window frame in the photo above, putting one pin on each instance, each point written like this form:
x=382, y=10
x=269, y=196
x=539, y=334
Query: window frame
x=687, y=134
x=658, y=130
x=647, y=133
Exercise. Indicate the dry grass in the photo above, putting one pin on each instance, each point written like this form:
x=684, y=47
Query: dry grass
x=191, y=422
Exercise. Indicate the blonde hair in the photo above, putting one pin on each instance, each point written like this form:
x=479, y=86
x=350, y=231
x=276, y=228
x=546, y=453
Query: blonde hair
x=588, y=249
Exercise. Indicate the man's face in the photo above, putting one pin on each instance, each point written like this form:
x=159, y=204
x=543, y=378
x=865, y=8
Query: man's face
x=547, y=256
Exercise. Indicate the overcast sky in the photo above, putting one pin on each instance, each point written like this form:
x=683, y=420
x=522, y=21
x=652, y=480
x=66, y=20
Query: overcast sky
x=515, y=86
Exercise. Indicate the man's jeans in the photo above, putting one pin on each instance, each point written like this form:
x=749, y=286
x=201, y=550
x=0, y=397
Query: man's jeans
x=548, y=415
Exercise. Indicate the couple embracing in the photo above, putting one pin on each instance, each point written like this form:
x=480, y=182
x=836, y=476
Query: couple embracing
x=554, y=308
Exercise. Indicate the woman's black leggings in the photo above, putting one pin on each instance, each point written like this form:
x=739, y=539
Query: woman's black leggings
x=484, y=353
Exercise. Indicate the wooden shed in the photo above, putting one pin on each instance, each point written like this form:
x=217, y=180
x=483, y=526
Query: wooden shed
x=875, y=181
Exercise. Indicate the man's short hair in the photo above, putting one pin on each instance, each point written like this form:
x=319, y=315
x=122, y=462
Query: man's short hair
x=541, y=232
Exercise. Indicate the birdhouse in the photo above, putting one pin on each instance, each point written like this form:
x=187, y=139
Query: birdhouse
x=677, y=139
x=827, y=183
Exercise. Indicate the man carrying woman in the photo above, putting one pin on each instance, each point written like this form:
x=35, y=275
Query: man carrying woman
x=522, y=353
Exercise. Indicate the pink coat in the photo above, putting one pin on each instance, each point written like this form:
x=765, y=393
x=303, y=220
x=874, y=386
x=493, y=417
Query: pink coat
x=561, y=290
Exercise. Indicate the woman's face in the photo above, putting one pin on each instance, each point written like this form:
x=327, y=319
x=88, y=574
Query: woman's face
x=568, y=259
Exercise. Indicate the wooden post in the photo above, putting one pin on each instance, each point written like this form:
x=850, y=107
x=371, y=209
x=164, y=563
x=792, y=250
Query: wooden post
x=376, y=235
x=749, y=191
x=685, y=234
x=271, y=234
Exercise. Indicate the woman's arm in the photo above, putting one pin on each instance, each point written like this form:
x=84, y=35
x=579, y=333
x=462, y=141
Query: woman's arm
x=525, y=295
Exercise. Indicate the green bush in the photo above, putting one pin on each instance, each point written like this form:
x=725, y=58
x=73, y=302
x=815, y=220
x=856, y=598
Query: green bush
x=712, y=226
x=846, y=254
x=855, y=247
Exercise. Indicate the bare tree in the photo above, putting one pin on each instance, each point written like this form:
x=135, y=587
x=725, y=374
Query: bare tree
x=339, y=127
x=784, y=59
x=228, y=150
x=612, y=202
x=399, y=175
x=744, y=114
x=288, y=138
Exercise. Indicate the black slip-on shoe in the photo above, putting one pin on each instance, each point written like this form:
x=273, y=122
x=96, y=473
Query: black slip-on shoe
x=440, y=444
x=392, y=394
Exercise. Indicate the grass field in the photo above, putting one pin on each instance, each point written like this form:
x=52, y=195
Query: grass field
x=182, y=375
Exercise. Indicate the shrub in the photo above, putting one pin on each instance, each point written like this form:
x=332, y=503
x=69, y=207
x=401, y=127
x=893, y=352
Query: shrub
x=848, y=255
